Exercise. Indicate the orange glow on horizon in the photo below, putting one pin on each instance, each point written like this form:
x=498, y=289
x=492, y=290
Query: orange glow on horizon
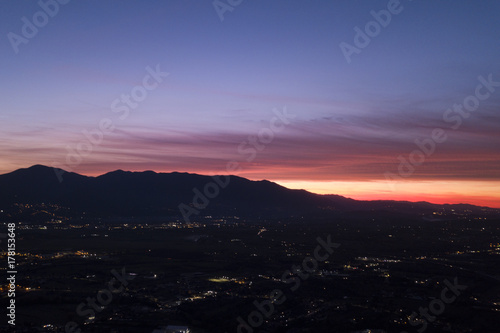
x=475, y=192
x=480, y=193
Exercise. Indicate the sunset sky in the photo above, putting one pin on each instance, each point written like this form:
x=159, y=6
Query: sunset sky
x=430, y=75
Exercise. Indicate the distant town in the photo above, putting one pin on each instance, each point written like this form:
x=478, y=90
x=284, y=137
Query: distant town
x=219, y=274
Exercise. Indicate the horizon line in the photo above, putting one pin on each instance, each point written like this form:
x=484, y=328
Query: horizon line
x=232, y=175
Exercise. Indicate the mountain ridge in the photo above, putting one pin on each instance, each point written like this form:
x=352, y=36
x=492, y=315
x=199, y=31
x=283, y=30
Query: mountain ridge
x=144, y=193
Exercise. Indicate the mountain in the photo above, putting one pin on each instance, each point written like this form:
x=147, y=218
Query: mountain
x=123, y=193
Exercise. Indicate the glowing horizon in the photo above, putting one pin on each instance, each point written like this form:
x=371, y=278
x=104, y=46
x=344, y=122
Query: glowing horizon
x=177, y=89
x=443, y=192
x=451, y=193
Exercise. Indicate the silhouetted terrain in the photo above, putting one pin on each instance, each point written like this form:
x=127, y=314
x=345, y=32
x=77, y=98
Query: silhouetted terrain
x=393, y=258
x=122, y=193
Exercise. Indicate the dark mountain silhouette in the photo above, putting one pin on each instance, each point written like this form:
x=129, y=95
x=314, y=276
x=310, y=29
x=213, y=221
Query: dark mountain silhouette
x=124, y=193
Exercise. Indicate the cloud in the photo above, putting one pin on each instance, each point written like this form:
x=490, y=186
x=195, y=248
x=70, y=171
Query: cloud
x=327, y=148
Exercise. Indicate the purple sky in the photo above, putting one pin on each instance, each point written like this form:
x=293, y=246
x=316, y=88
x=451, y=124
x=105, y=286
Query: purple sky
x=351, y=119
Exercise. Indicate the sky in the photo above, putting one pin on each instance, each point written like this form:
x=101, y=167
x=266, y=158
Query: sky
x=368, y=99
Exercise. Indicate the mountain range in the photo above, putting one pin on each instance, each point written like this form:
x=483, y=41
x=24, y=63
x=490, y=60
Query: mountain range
x=188, y=196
